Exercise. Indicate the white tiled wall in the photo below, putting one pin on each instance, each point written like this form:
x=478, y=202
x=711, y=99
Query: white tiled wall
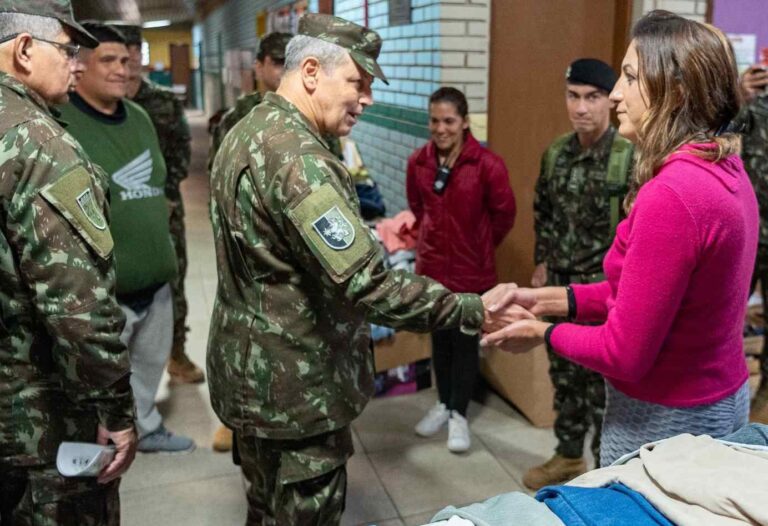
x=446, y=44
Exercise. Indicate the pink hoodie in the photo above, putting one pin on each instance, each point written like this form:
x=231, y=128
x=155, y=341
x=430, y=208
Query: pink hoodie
x=674, y=300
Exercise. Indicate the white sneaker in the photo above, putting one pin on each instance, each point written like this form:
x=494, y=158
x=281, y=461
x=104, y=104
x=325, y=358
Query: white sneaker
x=433, y=420
x=458, y=433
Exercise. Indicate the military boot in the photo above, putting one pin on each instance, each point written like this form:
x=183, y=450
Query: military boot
x=222, y=439
x=183, y=370
x=759, y=411
x=556, y=470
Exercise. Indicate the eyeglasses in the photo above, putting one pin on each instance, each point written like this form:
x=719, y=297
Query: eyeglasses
x=72, y=51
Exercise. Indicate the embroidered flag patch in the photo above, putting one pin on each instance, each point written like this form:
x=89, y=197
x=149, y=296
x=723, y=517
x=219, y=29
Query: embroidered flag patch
x=335, y=229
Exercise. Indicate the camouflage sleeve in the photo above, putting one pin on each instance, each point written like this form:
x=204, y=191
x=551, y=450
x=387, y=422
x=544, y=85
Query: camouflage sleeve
x=217, y=135
x=62, y=241
x=177, y=146
x=542, y=215
x=327, y=233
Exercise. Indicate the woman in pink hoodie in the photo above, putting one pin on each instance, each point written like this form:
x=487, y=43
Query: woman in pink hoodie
x=677, y=276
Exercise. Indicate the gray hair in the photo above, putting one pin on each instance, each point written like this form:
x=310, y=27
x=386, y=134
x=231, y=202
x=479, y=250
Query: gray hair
x=38, y=26
x=302, y=46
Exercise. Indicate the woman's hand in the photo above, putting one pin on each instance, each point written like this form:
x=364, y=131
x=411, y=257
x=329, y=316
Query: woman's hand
x=544, y=301
x=518, y=337
x=501, y=318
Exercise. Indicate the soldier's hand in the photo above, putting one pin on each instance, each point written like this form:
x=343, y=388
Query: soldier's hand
x=518, y=337
x=754, y=81
x=544, y=301
x=539, y=277
x=125, y=451
x=498, y=320
x=505, y=294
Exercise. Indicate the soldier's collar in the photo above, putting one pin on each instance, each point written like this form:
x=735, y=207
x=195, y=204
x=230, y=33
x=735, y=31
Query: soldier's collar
x=143, y=88
x=285, y=104
x=19, y=87
x=599, y=150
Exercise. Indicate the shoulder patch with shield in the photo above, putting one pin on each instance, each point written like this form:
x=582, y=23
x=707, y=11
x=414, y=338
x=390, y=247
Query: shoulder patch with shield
x=332, y=231
x=88, y=205
x=335, y=229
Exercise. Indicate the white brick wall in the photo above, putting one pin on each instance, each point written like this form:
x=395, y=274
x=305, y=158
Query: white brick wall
x=464, y=45
x=693, y=9
x=447, y=44
x=386, y=153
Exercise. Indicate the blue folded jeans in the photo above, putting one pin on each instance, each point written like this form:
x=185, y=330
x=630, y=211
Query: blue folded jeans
x=614, y=504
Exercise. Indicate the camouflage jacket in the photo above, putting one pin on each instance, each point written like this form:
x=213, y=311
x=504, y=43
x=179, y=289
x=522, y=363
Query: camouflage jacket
x=299, y=274
x=754, y=152
x=243, y=106
x=572, y=208
x=234, y=115
x=167, y=115
x=63, y=369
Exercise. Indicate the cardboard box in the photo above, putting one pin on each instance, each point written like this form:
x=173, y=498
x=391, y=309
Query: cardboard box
x=522, y=379
x=404, y=348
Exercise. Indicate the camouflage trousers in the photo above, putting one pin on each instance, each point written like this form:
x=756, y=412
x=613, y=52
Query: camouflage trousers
x=579, y=393
x=761, y=274
x=39, y=496
x=296, y=482
x=180, y=308
x=579, y=403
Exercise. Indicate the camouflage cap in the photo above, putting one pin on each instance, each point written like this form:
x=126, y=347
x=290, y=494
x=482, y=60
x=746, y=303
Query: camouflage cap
x=362, y=43
x=61, y=10
x=273, y=45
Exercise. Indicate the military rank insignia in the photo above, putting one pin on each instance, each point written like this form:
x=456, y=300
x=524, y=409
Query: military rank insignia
x=335, y=229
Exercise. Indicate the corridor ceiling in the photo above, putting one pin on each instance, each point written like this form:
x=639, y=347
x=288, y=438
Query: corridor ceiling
x=135, y=11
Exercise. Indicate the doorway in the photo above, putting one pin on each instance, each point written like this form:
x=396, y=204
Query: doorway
x=532, y=44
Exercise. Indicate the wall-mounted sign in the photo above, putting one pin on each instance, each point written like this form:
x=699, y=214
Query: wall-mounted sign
x=744, y=48
x=399, y=12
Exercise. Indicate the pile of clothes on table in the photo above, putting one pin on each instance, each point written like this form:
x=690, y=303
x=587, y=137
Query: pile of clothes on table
x=684, y=480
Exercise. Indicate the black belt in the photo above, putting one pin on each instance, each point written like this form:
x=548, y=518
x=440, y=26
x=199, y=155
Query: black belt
x=139, y=300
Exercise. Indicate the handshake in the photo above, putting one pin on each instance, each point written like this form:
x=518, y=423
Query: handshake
x=511, y=313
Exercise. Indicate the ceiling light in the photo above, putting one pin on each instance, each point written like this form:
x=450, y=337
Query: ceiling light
x=156, y=23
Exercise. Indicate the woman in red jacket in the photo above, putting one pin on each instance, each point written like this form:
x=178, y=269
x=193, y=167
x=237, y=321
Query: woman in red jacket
x=459, y=192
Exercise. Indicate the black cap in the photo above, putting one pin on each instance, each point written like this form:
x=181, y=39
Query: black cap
x=273, y=46
x=131, y=32
x=104, y=32
x=593, y=72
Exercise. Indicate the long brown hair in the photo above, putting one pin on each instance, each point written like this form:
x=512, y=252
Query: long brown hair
x=689, y=75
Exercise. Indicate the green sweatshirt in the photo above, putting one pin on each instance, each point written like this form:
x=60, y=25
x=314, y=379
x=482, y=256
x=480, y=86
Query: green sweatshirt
x=125, y=145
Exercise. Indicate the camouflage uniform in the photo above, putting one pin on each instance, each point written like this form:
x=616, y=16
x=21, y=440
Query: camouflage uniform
x=63, y=370
x=234, y=115
x=299, y=275
x=573, y=232
x=167, y=115
x=754, y=118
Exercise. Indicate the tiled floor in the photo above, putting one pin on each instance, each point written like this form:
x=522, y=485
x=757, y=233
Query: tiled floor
x=395, y=478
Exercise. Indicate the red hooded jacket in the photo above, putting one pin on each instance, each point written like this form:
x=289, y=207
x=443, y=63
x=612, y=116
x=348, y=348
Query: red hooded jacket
x=459, y=229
